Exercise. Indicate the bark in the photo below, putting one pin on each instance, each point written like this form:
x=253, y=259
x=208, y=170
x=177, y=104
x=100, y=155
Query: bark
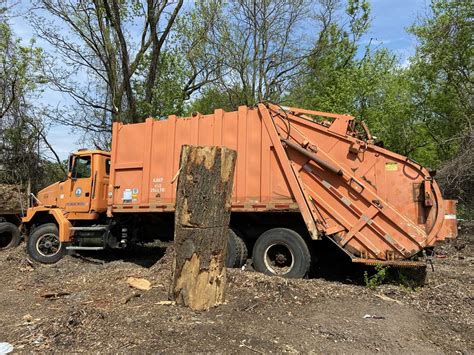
x=202, y=218
x=114, y=14
x=156, y=49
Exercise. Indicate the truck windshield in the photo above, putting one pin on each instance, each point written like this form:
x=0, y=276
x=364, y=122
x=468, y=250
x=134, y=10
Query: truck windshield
x=82, y=167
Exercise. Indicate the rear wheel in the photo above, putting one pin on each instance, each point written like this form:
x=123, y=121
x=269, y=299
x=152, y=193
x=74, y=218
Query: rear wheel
x=244, y=253
x=236, y=251
x=44, y=244
x=9, y=235
x=281, y=252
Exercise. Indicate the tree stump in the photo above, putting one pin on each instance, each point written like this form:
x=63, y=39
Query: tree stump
x=202, y=216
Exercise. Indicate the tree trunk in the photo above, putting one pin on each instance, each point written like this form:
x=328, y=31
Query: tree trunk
x=202, y=218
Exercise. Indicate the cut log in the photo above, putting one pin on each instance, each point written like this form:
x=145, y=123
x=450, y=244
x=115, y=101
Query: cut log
x=202, y=216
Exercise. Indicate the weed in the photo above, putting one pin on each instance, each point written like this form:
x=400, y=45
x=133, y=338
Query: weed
x=376, y=279
x=409, y=279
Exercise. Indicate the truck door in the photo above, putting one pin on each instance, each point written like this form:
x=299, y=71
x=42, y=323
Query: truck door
x=81, y=180
x=100, y=183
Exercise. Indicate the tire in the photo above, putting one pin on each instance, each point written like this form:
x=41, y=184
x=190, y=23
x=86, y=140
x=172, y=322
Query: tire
x=236, y=251
x=281, y=252
x=44, y=245
x=10, y=236
x=244, y=253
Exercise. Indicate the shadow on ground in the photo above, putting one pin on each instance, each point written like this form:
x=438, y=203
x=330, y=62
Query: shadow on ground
x=331, y=264
x=142, y=255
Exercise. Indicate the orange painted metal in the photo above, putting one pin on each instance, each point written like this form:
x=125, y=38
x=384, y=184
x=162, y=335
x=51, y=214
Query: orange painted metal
x=64, y=224
x=373, y=203
x=145, y=158
x=449, y=229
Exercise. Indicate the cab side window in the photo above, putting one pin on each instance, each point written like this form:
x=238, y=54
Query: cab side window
x=82, y=168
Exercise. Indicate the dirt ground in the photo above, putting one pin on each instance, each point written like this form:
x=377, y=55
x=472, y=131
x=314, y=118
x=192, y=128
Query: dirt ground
x=84, y=304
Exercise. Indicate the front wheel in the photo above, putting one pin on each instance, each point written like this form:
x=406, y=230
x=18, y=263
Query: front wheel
x=44, y=244
x=281, y=252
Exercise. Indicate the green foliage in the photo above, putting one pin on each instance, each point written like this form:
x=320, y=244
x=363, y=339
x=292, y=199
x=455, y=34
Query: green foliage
x=18, y=65
x=409, y=279
x=335, y=80
x=377, y=279
x=371, y=88
x=184, y=66
x=442, y=74
x=465, y=211
x=19, y=126
x=168, y=96
x=51, y=172
x=442, y=80
x=420, y=111
x=213, y=98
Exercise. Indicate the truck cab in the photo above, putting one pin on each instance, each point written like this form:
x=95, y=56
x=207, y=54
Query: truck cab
x=60, y=209
x=84, y=192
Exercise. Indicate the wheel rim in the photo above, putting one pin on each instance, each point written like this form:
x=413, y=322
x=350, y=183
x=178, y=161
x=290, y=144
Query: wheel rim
x=5, y=239
x=48, y=245
x=279, y=259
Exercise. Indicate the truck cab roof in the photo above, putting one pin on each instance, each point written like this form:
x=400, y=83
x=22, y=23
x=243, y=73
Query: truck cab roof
x=88, y=151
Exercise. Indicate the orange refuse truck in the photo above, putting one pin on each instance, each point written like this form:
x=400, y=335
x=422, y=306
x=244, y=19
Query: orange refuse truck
x=301, y=176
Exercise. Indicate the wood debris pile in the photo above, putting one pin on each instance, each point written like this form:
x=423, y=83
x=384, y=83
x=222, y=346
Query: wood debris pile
x=11, y=199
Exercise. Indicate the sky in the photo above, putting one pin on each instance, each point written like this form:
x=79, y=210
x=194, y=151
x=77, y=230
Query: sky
x=390, y=18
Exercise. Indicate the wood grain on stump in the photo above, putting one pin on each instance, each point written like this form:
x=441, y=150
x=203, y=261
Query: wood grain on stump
x=202, y=216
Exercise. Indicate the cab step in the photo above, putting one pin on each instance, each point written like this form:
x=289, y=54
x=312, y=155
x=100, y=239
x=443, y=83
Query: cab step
x=90, y=229
x=84, y=248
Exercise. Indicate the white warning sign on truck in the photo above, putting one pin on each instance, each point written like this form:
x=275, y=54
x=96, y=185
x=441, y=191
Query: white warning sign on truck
x=127, y=195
